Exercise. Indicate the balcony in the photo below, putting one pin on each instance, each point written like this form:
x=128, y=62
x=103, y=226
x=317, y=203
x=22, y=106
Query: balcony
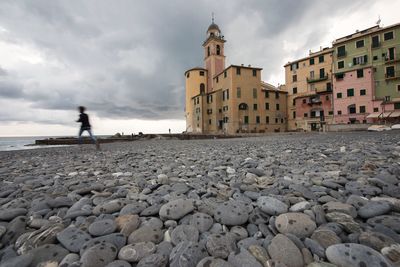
x=315, y=79
x=392, y=75
x=389, y=59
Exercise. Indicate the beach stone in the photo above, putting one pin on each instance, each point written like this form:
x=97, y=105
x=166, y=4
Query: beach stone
x=351, y=254
x=152, y=210
x=362, y=189
x=231, y=213
x=134, y=253
x=59, y=202
x=243, y=258
x=19, y=261
x=373, y=209
x=300, y=206
x=49, y=252
x=15, y=228
x=187, y=254
x=45, y=235
x=259, y=253
x=375, y=240
x=3, y=230
x=247, y=242
x=99, y=255
x=153, y=260
x=9, y=214
x=118, y=263
x=314, y=247
x=73, y=238
x=176, y=209
x=133, y=208
x=213, y=262
x=334, y=206
x=146, y=234
x=389, y=221
x=109, y=207
x=102, y=227
x=184, y=233
x=357, y=201
x=128, y=223
x=117, y=239
x=394, y=202
x=321, y=264
x=298, y=224
x=392, y=253
x=201, y=221
x=151, y=222
x=325, y=237
x=221, y=245
x=239, y=232
x=69, y=259
x=344, y=220
x=290, y=255
x=271, y=206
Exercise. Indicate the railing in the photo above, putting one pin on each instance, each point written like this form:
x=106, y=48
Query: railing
x=393, y=75
x=317, y=79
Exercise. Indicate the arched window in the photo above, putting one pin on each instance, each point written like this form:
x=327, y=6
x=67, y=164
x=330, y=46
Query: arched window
x=243, y=106
x=208, y=51
x=202, y=88
x=218, y=50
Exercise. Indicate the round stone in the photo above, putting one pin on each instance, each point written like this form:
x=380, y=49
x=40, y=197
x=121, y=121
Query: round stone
x=389, y=221
x=187, y=254
x=201, y=221
x=373, y=209
x=325, y=237
x=176, y=209
x=298, y=224
x=284, y=250
x=184, y=233
x=99, y=255
x=102, y=227
x=135, y=252
x=73, y=238
x=271, y=206
x=334, y=206
x=221, y=245
x=231, y=213
x=146, y=234
x=351, y=254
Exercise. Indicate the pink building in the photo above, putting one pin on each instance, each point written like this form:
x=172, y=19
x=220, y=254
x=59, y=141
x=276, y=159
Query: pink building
x=352, y=96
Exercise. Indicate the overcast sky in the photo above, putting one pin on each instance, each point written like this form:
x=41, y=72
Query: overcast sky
x=125, y=60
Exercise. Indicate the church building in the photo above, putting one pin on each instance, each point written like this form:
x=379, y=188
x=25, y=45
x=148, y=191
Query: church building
x=231, y=99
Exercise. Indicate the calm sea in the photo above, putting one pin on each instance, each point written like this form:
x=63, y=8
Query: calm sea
x=18, y=143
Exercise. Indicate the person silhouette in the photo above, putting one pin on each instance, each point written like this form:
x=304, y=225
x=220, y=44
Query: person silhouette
x=85, y=126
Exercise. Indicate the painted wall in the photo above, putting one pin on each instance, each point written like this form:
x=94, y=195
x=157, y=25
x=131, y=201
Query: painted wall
x=350, y=81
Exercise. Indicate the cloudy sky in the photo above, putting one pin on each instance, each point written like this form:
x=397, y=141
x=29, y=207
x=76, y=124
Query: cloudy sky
x=125, y=60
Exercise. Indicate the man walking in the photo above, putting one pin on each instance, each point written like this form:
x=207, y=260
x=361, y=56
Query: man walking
x=85, y=126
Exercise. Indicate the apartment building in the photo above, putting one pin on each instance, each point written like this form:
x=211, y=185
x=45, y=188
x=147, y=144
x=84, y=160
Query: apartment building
x=309, y=84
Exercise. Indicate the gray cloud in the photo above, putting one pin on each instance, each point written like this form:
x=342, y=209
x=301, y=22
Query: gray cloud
x=126, y=59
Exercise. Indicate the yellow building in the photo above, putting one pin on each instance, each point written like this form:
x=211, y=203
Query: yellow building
x=230, y=99
x=308, y=82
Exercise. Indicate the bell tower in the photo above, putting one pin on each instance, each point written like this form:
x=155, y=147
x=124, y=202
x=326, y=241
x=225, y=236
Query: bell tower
x=214, y=58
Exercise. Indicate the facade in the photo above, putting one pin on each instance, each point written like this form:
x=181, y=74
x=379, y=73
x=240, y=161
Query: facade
x=230, y=99
x=309, y=86
x=367, y=76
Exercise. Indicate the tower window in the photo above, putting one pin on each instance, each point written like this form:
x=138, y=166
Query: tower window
x=254, y=92
x=218, y=50
x=208, y=51
x=201, y=73
x=255, y=73
x=202, y=88
x=237, y=71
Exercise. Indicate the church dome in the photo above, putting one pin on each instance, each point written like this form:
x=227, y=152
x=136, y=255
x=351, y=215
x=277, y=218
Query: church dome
x=213, y=27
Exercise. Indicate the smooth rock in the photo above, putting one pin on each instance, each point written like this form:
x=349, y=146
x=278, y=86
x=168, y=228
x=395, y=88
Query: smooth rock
x=221, y=245
x=272, y=206
x=231, y=213
x=243, y=258
x=290, y=255
x=184, y=233
x=201, y=221
x=350, y=254
x=146, y=234
x=373, y=209
x=99, y=255
x=176, y=209
x=134, y=253
x=73, y=238
x=102, y=227
x=187, y=254
x=295, y=223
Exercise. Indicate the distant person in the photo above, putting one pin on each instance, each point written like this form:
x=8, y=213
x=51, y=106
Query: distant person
x=169, y=131
x=85, y=126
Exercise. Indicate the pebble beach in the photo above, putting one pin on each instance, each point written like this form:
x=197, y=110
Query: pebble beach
x=317, y=200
